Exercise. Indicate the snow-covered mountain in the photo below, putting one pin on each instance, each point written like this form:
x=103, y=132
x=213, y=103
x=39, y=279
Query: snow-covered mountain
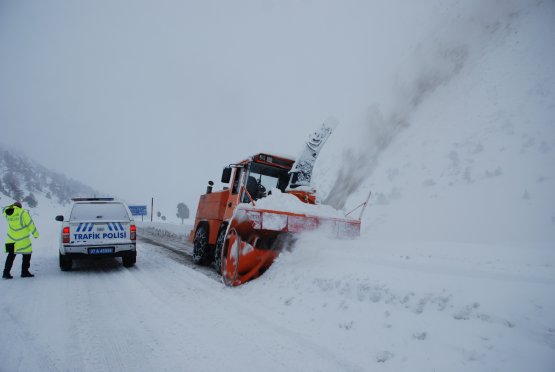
x=28, y=181
x=465, y=151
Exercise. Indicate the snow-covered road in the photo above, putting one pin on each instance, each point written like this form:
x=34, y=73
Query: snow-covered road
x=158, y=315
x=328, y=306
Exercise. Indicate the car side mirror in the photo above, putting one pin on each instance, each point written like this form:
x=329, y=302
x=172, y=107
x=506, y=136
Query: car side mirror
x=226, y=175
x=60, y=218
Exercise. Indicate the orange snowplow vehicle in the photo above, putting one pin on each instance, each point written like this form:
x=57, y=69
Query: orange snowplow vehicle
x=240, y=238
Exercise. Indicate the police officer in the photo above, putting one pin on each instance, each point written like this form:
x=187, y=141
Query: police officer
x=20, y=228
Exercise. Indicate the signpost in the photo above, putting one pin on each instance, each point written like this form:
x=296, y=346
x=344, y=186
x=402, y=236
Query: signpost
x=138, y=210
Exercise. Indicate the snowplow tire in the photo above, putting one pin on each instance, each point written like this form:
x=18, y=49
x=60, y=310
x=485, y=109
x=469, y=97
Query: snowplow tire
x=219, y=248
x=65, y=263
x=202, y=254
x=129, y=260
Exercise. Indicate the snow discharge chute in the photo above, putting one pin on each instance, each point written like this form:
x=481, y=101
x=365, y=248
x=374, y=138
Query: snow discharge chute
x=301, y=173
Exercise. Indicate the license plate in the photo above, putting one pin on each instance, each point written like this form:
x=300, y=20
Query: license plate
x=107, y=250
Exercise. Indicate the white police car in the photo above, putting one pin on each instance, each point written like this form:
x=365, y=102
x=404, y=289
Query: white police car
x=97, y=227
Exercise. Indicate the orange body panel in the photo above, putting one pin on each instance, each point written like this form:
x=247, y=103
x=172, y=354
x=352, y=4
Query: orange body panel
x=212, y=206
x=211, y=209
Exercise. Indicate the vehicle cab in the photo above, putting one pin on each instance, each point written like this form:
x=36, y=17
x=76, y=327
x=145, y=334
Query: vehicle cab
x=97, y=227
x=249, y=181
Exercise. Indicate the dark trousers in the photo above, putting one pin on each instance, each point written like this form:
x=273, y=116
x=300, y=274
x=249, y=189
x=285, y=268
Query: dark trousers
x=25, y=264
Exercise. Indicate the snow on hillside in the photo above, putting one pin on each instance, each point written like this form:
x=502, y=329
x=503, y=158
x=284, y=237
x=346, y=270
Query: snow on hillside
x=477, y=163
x=474, y=161
x=25, y=180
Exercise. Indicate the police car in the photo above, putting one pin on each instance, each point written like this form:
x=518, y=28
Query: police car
x=97, y=227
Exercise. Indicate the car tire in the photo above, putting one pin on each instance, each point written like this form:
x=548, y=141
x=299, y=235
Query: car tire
x=201, y=249
x=129, y=259
x=65, y=263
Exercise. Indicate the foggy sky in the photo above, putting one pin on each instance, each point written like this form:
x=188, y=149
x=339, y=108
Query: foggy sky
x=153, y=98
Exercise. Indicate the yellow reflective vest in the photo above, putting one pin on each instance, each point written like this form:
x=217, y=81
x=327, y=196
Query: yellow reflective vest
x=20, y=228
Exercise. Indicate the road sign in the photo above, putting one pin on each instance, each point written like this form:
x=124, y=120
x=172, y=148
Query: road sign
x=138, y=210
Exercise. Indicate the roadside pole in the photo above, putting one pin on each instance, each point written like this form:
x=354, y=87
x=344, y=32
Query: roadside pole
x=151, y=208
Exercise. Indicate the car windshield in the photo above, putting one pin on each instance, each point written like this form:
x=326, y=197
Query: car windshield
x=99, y=211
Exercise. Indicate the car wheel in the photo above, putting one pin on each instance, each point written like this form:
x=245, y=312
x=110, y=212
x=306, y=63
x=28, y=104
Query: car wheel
x=65, y=263
x=129, y=259
x=201, y=248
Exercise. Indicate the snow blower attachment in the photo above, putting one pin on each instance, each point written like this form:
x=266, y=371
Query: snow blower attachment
x=241, y=230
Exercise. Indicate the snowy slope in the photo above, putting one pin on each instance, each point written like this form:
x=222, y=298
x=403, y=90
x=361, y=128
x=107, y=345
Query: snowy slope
x=475, y=160
x=478, y=162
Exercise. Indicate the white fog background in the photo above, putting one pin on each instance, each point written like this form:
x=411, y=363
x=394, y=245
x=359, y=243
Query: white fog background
x=148, y=99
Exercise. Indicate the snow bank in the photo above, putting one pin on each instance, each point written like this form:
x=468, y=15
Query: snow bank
x=172, y=231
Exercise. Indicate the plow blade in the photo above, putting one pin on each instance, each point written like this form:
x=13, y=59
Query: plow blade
x=255, y=237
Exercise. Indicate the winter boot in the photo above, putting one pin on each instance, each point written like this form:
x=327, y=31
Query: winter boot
x=25, y=266
x=7, y=275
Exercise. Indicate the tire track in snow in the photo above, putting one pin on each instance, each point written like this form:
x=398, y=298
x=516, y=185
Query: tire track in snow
x=92, y=353
x=27, y=338
x=223, y=295
x=181, y=253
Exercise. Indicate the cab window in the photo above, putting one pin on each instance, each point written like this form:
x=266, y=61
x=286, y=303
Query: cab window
x=98, y=211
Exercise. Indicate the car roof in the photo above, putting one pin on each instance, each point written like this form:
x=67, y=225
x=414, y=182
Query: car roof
x=91, y=199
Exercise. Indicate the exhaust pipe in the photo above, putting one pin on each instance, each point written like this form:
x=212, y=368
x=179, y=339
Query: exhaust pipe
x=209, y=187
